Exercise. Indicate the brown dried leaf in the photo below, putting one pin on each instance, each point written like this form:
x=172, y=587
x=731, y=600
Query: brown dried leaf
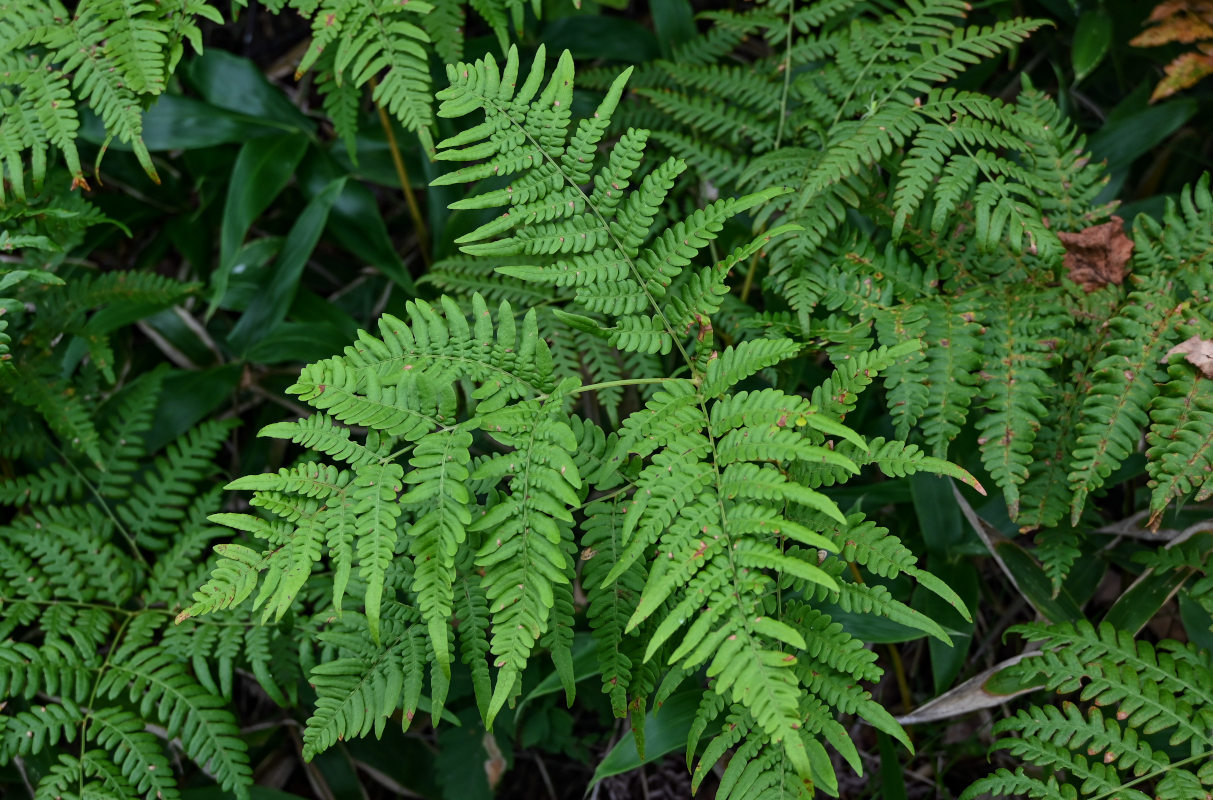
x=1198, y=352
x=1185, y=71
x=1180, y=29
x=1183, y=21
x=495, y=765
x=1097, y=255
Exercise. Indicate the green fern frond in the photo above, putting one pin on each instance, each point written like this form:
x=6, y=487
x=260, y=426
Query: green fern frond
x=601, y=235
x=208, y=731
x=377, y=40
x=1178, y=247
x=103, y=673
x=359, y=692
x=1018, y=355
x=1180, y=457
x=1125, y=381
x=118, y=54
x=526, y=557
x=1162, y=710
x=440, y=501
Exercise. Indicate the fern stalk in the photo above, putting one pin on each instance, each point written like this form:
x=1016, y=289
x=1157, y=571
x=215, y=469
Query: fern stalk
x=402, y=173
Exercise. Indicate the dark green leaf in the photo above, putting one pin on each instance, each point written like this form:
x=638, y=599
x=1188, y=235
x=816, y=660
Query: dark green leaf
x=1092, y=38
x=665, y=730
x=270, y=306
x=261, y=173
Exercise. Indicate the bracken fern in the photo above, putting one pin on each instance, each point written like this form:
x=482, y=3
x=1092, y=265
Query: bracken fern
x=461, y=487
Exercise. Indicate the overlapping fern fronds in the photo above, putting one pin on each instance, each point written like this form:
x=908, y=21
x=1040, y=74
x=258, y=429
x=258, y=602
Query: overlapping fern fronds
x=388, y=44
x=55, y=313
x=473, y=487
x=872, y=133
x=1142, y=726
x=114, y=55
x=89, y=663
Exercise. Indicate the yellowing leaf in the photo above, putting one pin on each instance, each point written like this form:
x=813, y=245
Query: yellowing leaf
x=1185, y=71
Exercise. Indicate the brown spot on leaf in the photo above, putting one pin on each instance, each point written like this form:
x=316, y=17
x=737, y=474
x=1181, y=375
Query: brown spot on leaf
x=1097, y=255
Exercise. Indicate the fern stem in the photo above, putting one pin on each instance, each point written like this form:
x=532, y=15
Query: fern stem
x=595, y=387
x=130, y=540
x=92, y=697
x=423, y=237
x=749, y=278
x=787, y=83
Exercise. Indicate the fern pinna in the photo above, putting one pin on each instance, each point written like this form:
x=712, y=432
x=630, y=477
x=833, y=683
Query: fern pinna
x=452, y=490
x=100, y=688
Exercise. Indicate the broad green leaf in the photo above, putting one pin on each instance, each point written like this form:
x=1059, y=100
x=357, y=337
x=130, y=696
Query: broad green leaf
x=230, y=82
x=665, y=730
x=260, y=174
x=270, y=306
x=1092, y=38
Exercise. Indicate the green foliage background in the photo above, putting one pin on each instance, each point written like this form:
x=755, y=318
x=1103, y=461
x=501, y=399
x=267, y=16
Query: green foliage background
x=672, y=397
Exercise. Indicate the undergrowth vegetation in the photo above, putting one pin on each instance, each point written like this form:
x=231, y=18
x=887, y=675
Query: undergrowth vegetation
x=785, y=388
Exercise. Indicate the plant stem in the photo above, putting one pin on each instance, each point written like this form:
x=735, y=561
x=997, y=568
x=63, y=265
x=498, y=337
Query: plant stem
x=423, y=238
x=595, y=387
x=787, y=75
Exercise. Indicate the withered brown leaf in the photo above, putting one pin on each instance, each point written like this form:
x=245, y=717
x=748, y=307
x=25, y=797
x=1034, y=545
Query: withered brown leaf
x=1198, y=352
x=1187, y=22
x=1096, y=256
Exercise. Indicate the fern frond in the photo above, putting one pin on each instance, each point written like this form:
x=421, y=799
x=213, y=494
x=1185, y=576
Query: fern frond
x=599, y=237
x=1018, y=356
x=1162, y=709
x=1115, y=410
x=1153, y=690
x=525, y=558
x=440, y=501
x=377, y=40
x=1180, y=437
x=135, y=752
x=208, y=731
x=359, y=692
x=1180, y=247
